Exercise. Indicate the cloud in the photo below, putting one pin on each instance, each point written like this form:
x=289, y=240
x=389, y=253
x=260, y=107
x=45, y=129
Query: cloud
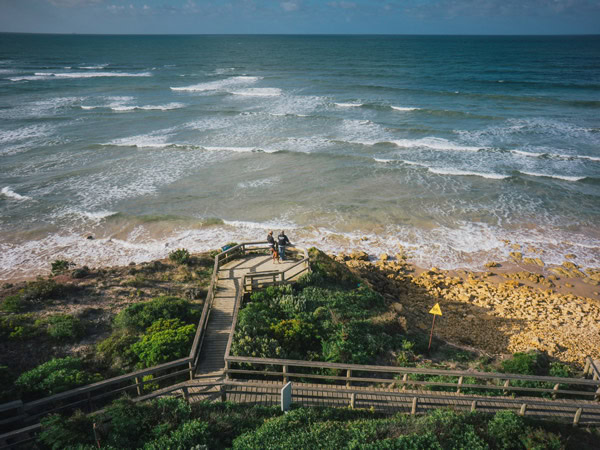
x=289, y=6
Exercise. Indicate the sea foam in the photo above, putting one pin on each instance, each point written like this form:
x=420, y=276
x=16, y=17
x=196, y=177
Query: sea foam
x=259, y=92
x=435, y=143
x=558, y=177
x=217, y=85
x=403, y=108
x=491, y=176
x=8, y=192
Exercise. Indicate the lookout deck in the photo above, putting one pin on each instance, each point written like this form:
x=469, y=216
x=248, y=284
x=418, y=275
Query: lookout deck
x=230, y=284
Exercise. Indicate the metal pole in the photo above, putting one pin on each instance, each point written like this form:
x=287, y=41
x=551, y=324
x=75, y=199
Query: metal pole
x=431, y=335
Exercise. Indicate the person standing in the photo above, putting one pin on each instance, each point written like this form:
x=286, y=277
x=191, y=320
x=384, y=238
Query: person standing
x=282, y=242
x=271, y=241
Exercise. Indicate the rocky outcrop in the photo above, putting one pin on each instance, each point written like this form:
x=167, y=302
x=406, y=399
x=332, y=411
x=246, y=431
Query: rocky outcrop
x=497, y=317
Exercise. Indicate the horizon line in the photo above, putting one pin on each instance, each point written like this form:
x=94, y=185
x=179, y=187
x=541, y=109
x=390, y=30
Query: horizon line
x=305, y=34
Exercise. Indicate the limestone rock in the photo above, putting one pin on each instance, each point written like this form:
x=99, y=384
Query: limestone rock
x=517, y=256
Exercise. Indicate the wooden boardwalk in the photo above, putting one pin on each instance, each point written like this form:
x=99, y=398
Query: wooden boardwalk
x=213, y=383
x=230, y=281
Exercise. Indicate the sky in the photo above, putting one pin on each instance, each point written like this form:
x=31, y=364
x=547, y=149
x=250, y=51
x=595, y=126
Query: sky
x=301, y=16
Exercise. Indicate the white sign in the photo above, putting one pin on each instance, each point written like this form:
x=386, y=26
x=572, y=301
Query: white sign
x=286, y=397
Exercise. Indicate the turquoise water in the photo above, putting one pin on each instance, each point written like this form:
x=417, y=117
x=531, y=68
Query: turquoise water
x=449, y=146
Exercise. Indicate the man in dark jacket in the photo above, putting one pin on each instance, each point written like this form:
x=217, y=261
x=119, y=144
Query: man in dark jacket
x=282, y=241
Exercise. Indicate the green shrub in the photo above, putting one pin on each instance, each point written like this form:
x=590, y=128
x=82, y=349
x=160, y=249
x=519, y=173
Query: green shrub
x=187, y=436
x=64, y=327
x=140, y=316
x=134, y=424
x=116, y=349
x=180, y=256
x=506, y=429
x=356, y=342
x=530, y=363
x=296, y=336
x=56, y=375
x=59, y=432
x=60, y=266
x=42, y=289
x=558, y=369
x=165, y=340
x=19, y=326
x=12, y=303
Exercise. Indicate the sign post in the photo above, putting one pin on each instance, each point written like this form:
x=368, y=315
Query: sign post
x=436, y=311
x=286, y=397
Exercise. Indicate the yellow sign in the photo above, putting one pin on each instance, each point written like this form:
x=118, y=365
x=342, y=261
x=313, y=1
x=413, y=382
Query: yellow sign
x=436, y=311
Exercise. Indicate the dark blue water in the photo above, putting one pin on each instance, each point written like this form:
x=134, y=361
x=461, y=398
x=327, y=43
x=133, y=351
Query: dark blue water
x=449, y=146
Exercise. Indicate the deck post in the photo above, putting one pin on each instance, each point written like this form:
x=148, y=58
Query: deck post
x=285, y=371
x=186, y=394
x=460, y=382
x=404, y=380
x=223, y=393
x=352, y=400
x=506, y=384
x=577, y=416
x=191, y=371
x=138, y=386
x=586, y=369
x=523, y=410
x=473, y=405
x=413, y=409
x=554, y=389
x=348, y=376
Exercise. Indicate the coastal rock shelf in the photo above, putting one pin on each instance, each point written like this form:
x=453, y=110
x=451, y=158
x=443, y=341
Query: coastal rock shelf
x=515, y=312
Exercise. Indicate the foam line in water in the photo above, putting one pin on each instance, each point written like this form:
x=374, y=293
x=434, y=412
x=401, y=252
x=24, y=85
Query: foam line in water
x=70, y=75
x=435, y=143
x=403, y=108
x=258, y=92
x=217, y=85
x=491, y=176
x=348, y=105
x=558, y=177
x=8, y=192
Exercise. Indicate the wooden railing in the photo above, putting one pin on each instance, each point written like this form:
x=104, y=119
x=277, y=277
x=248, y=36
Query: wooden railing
x=95, y=395
x=257, y=280
x=403, y=377
x=591, y=368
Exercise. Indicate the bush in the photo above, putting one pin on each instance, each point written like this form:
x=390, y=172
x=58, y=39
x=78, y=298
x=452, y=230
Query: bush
x=180, y=256
x=116, y=349
x=41, y=289
x=60, y=266
x=530, y=363
x=165, y=340
x=56, y=375
x=356, y=342
x=18, y=326
x=64, y=327
x=59, y=432
x=187, y=436
x=12, y=303
x=141, y=315
x=133, y=424
x=506, y=429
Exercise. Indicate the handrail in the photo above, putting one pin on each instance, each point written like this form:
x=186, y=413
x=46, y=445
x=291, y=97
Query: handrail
x=409, y=370
x=591, y=368
x=557, y=382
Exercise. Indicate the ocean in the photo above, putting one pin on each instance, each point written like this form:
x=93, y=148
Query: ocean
x=453, y=147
